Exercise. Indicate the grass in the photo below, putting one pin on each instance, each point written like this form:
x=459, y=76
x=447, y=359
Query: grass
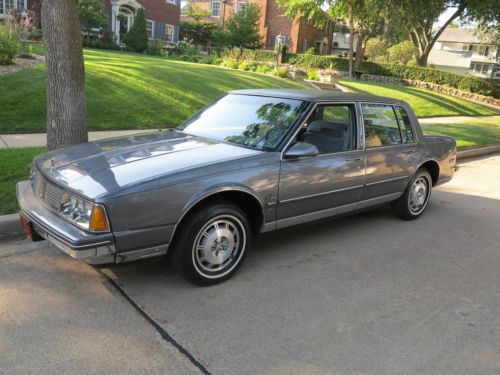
x=471, y=133
x=127, y=91
x=425, y=103
x=15, y=165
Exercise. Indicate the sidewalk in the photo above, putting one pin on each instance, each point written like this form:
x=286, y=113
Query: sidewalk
x=40, y=139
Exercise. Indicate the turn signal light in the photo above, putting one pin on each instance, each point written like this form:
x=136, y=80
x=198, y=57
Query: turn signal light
x=98, y=219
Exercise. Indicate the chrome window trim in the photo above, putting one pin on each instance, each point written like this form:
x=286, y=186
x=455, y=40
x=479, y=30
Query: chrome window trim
x=316, y=104
x=388, y=180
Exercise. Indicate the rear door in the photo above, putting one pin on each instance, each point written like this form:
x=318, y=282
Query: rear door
x=390, y=149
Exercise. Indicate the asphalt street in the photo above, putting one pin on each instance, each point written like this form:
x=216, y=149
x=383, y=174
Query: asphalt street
x=364, y=294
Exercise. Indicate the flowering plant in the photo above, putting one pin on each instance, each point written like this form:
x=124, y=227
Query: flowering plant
x=329, y=72
x=296, y=69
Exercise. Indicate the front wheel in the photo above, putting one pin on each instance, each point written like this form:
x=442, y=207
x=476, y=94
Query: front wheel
x=212, y=244
x=415, y=198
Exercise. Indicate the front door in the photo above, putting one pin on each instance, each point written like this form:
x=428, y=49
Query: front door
x=317, y=186
x=390, y=150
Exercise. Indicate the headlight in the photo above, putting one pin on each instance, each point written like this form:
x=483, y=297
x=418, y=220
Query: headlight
x=83, y=213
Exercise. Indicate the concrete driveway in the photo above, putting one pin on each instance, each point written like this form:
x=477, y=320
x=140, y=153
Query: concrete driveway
x=365, y=294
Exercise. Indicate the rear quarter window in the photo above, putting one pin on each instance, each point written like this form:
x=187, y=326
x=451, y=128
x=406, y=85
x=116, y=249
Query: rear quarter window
x=405, y=125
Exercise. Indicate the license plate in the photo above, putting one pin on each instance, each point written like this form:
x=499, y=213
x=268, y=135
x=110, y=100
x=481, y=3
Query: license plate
x=26, y=226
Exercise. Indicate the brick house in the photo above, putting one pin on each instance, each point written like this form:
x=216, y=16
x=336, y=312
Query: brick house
x=162, y=17
x=32, y=6
x=274, y=26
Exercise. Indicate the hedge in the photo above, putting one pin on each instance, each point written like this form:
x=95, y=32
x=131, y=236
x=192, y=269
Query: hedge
x=465, y=83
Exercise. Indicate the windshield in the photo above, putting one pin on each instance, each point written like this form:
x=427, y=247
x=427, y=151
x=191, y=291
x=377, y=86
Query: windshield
x=256, y=122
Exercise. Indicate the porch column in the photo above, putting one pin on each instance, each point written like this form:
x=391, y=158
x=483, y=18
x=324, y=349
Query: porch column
x=115, y=24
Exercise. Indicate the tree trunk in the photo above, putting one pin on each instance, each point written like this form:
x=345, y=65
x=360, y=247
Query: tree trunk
x=361, y=37
x=351, y=38
x=65, y=74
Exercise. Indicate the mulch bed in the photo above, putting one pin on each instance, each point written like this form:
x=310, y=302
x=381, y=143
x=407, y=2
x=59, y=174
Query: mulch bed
x=20, y=64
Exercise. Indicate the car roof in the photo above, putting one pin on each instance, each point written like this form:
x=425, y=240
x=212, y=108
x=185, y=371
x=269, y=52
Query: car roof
x=316, y=95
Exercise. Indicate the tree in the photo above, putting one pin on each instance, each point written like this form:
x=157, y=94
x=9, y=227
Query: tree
x=198, y=32
x=376, y=50
x=65, y=74
x=242, y=29
x=91, y=13
x=197, y=13
x=419, y=16
x=401, y=53
x=137, y=36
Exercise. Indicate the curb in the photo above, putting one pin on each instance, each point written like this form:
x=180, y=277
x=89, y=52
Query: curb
x=11, y=225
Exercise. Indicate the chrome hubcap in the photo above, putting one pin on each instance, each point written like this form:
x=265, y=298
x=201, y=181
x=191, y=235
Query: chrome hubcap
x=218, y=245
x=419, y=195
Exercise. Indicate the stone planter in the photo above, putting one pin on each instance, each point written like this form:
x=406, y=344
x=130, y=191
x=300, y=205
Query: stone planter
x=297, y=76
x=327, y=79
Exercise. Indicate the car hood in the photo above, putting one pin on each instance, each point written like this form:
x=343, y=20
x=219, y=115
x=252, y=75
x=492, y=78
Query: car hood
x=95, y=168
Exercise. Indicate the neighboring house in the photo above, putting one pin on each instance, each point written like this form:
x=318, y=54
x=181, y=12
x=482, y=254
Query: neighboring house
x=340, y=44
x=30, y=7
x=274, y=26
x=465, y=51
x=162, y=16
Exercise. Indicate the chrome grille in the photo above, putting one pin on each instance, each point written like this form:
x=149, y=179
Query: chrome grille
x=53, y=195
x=47, y=192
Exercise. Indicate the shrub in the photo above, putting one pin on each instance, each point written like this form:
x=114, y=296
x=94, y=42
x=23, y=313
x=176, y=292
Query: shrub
x=137, y=36
x=230, y=62
x=10, y=42
x=264, y=68
x=248, y=66
x=281, y=72
x=376, y=50
x=155, y=47
x=402, y=52
x=313, y=75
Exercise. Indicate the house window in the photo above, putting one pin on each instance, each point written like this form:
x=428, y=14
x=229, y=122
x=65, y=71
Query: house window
x=280, y=39
x=169, y=33
x=241, y=6
x=304, y=45
x=346, y=38
x=485, y=68
x=216, y=8
x=171, y=1
x=149, y=28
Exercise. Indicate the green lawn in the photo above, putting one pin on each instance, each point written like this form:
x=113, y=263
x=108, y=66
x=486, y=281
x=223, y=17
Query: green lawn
x=15, y=165
x=425, y=103
x=472, y=133
x=127, y=91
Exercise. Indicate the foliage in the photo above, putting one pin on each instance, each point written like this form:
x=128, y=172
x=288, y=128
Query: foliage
x=281, y=72
x=401, y=53
x=10, y=43
x=198, y=32
x=242, y=29
x=376, y=50
x=187, y=46
x=264, y=68
x=91, y=13
x=196, y=12
x=250, y=54
x=229, y=62
x=313, y=75
x=137, y=36
x=99, y=44
x=312, y=51
x=155, y=47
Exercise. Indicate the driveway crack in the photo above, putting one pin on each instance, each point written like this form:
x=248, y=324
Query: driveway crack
x=162, y=332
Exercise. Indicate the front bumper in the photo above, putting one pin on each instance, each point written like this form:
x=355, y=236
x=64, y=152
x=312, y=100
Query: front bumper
x=93, y=248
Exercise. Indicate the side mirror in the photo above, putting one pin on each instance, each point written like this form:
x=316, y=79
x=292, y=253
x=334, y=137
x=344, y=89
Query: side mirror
x=301, y=149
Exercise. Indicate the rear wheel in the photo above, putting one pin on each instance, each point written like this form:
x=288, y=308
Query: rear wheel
x=415, y=198
x=212, y=243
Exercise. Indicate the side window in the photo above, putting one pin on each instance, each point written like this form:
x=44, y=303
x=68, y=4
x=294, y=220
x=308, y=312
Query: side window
x=381, y=125
x=405, y=125
x=331, y=129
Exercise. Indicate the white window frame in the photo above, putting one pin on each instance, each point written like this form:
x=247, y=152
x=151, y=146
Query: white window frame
x=150, y=29
x=280, y=39
x=169, y=32
x=241, y=5
x=218, y=8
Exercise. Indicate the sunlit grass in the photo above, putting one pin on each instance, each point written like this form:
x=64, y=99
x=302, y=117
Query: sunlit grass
x=127, y=91
x=472, y=133
x=425, y=103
